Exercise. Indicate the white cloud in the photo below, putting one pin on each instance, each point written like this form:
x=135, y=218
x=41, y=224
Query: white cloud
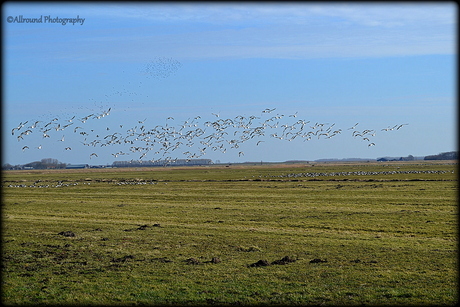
x=284, y=41
x=241, y=30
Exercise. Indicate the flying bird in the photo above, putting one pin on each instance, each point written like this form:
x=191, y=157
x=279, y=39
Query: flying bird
x=401, y=126
x=353, y=126
x=268, y=110
x=35, y=124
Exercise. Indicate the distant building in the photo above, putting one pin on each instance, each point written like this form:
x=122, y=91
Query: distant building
x=73, y=166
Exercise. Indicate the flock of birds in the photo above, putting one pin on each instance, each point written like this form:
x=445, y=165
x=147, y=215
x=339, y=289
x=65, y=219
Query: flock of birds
x=191, y=138
x=162, y=67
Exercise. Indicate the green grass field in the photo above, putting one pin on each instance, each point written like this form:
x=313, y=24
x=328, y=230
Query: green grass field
x=376, y=234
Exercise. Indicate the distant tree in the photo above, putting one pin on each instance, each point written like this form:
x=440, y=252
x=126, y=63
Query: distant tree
x=35, y=165
x=50, y=161
x=451, y=155
x=7, y=166
x=46, y=164
x=408, y=158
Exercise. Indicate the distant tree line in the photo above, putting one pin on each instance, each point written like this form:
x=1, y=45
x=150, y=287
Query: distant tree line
x=451, y=155
x=47, y=163
x=408, y=158
x=50, y=163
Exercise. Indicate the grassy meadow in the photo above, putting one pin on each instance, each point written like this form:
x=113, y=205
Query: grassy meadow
x=370, y=233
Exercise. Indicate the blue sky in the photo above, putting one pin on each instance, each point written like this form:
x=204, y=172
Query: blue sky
x=336, y=64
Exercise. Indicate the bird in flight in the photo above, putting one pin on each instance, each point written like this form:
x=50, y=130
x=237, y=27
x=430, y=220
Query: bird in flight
x=35, y=124
x=401, y=126
x=353, y=126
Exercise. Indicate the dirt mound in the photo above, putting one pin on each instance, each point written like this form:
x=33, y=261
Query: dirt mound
x=259, y=264
x=67, y=234
x=284, y=260
x=317, y=260
x=142, y=227
x=214, y=260
x=192, y=261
